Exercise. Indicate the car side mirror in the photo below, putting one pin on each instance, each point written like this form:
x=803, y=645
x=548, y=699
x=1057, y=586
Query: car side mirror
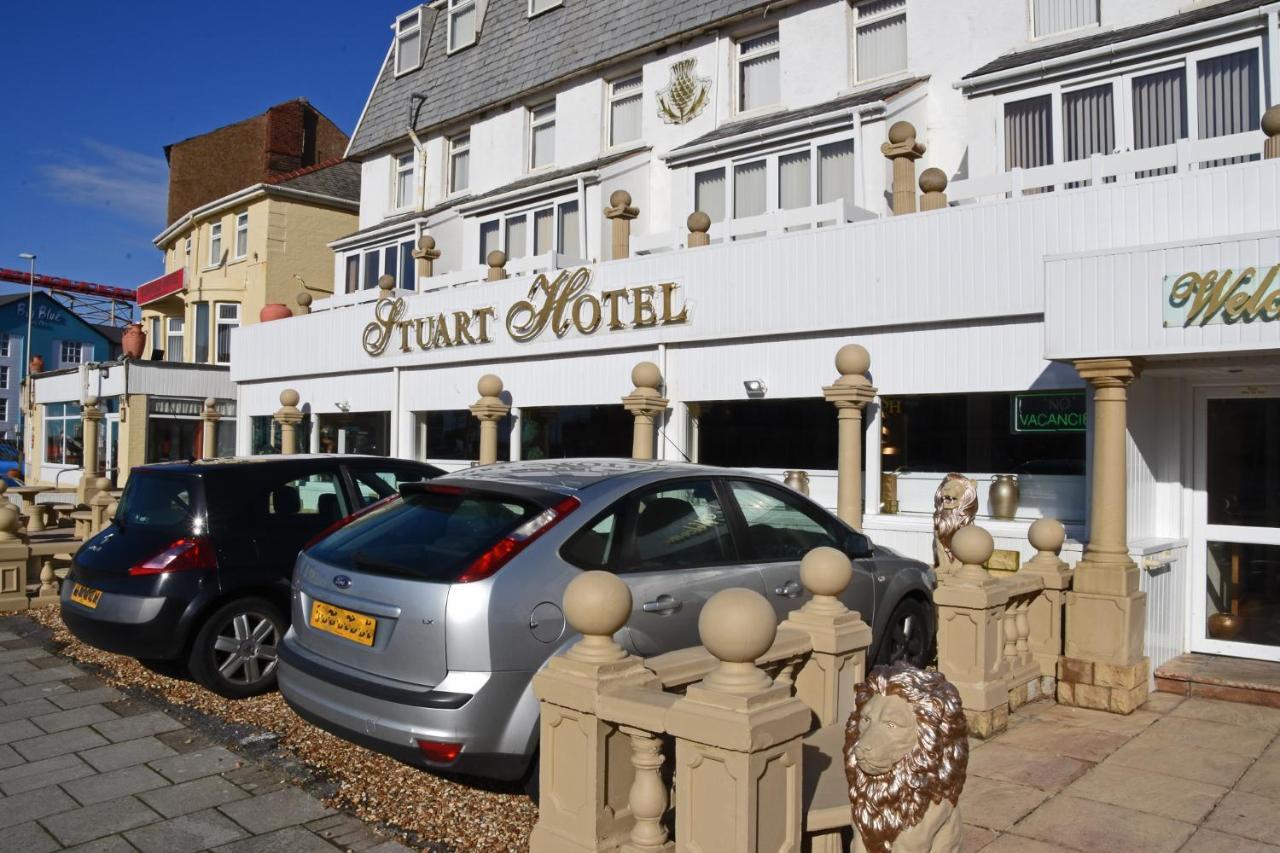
x=857, y=545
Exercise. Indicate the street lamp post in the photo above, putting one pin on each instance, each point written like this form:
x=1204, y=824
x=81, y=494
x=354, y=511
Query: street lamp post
x=26, y=366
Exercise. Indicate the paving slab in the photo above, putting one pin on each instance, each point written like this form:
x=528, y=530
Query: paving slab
x=8, y=757
x=1018, y=844
x=995, y=804
x=1263, y=778
x=25, y=710
x=140, y=725
x=80, y=698
x=47, y=746
x=60, y=721
x=1198, y=764
x=1249, y=815
x=1121, y=724
x=295, y=839
x=1090, y=826
x=125, y=753
x=1176, y=733
x=90, y=822
x=39, y=774
x=1144, y=791
x=108, y=786
x=186, y=834
x=110, y=844
x=1162, y=703
x=1231, y=713
x=29, y=838
x=62, y=672
x=1026, y=767
x=14, y=695
x=32, y=805
x=286, y=807
x=1060, y=738
x=174, y=800
x=1212, y=841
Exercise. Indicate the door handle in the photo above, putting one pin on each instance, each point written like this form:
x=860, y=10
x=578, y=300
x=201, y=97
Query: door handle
x=790, y=589
x=662, y=604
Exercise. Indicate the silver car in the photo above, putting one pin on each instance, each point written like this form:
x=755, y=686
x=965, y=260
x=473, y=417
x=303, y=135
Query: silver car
x=418, y=626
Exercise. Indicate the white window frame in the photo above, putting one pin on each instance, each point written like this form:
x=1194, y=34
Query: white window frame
x=1031, y=24
x=172, y=323
x=740, y=56
x=215, y=242
x=4, y=409
x=398, y=170
x=218, y=323
x=536, y=123
x=552, y=4
x=6, y=345
x=241, y=236
x=529, y=214
x=859, y=22
x=77, y=352
x=456, y=8
x=4, y=379
x=614, y=97
x=403, y=30
x=458, y=144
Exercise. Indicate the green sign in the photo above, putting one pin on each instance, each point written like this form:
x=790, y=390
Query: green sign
x=1049, y=411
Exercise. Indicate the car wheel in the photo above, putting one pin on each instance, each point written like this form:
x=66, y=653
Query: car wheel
x=234, y=653
x=909, y=636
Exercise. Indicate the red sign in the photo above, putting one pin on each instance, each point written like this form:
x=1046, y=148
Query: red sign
x=158, y=288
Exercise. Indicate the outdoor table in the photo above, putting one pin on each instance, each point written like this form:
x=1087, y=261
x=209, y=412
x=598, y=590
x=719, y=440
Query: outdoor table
x=35, y=523
x=84, y=522
x=63, y=511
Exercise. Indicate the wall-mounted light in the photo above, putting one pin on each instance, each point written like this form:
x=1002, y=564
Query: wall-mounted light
x=343, y=406
x=755, y=387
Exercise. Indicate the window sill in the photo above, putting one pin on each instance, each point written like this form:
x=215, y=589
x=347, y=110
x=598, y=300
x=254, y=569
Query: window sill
x=757, y=112
x=1067, y=35
x=398, y=74
x=870, y=83
x=459, y=48
x=533, y=15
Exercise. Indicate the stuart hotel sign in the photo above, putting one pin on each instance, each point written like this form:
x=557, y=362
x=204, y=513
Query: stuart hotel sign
x=551, y=307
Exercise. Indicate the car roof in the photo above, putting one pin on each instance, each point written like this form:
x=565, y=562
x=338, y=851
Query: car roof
x=573, y=475
x=235, y=463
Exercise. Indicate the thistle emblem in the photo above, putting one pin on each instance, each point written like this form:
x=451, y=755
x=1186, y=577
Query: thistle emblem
x=685, y=96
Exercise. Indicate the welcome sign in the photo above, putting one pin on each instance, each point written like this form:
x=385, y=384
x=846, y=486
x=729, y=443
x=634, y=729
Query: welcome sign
x=1221, y=296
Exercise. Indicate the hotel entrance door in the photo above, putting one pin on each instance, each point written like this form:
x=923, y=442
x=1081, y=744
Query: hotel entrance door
x=1236, y=546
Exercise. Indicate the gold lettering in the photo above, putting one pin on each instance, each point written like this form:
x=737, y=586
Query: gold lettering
x=643, y=315
x=440, y=337
x=613, y=297
x=462, y=328
x=484, y=315
x=669, y=289
x=417, y=332
x=526, y=319
x=377, y=334
x=1226, y=295
x=594, y=323
x=403, y=326
x=1271, y=308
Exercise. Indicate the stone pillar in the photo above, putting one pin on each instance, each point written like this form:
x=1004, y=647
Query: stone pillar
x=489, y=409
x=288, y=416
x=585, y=772
x=1045, y=615
x=304, y=303
x=92, y=421
x=699, y=224
x=903, y=151
x=621, y=213
x=645, y=402
x=209, y=414
x=98, y=505
x=497, y=260
x=933, y=188
x=1271, y=127
x=1104, y=666
x=386, y=284
x=738, y=738
x=426, y=254
x=850, y=393
x=14, y=554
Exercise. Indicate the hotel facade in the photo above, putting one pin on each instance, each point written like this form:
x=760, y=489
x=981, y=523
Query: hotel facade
x=1023, y=209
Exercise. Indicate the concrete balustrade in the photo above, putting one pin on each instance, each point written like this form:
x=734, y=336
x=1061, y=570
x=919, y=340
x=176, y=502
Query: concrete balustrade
x=850, y=395
x=91, y=415
x=903, y=151
x=699, y=225
x=209, y=441
x=489, y=410
x=1271, y=127
x=620, y=213
x=288, y=416
x=497, y=261
x=933, y=189
x=426, y=255
x=645, y=403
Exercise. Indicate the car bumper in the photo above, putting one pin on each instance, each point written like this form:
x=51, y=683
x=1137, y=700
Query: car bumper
x=134, y=625
x=483, y=723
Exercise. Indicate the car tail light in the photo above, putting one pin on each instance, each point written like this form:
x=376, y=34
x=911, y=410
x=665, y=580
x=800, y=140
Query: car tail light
x=347, y=519
x=440, y=751
x=501, y=553
x=185, y=555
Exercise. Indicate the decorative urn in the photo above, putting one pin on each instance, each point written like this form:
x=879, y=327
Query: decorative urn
x=798, y=480
x=1224, y=626
x=274, y=311
x=134, y=341
x=1002, y=499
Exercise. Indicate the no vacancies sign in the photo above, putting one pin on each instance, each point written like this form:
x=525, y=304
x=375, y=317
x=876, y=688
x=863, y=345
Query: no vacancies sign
x=1221, y=296
x=553, y=306
x=1059, y=411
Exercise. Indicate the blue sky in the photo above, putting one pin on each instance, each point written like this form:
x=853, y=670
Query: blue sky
x=92, y=92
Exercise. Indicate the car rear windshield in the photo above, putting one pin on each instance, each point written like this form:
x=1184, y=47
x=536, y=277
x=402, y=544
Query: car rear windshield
x=429, y=534
x=159, y=501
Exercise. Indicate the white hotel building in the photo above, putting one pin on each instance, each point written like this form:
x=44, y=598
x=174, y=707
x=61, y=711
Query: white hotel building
x=1096, y=151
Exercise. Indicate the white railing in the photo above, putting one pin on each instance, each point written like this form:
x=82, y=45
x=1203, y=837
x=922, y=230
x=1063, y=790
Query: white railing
x=1181, y=156
x=765, y=225
x=531, y=265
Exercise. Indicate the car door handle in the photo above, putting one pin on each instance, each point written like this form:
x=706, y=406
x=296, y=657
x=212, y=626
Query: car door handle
x=790, y=589
x=662, y=604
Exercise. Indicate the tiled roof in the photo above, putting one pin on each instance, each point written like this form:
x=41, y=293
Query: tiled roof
x=765, y=122
x=1103, y=38
x=515, y=54
x=336, y=178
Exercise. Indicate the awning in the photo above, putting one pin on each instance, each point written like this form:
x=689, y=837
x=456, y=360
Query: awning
x=159, y=288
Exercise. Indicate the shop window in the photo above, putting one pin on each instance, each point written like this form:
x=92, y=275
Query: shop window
x=1059, y=16
x=880, y=40
x=228, y=319
x=356, y=432
x=759, y=72
x=202, y=333
x=797, y=433
x=567, y=431
x=264, y=435
x=63, y=434
x=173, y=439
x=455, y=435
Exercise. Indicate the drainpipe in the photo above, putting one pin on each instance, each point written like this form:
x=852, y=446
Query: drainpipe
x=1273, y=54
x=396, y=419
x=582, y=217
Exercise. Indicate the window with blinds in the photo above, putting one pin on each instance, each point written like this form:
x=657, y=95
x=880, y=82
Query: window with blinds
x=1159, y=112
x=835, y=171
x=517, y=237
x=1028, y=133
x=1059, y=16
x=709, y=192
x=794, y=180
x=749, y=188
x=759, y=66
x=880, y=38
x=1088, y=124
x=625, y=110
x=1228, y=100
x=542, y=136
x=459, y=162
x=408, y=41
x=462, y=24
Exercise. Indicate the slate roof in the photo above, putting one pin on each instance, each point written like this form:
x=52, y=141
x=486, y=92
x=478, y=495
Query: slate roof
x=1115, y=37
x=336, y=178
x=515, y=54
x=844, y=102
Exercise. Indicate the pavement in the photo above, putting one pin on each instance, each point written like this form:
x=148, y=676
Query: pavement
x=85, y=768
x=1182, y=773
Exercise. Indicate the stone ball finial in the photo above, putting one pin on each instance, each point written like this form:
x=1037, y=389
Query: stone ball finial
x=619, y=198
x=426, y=242
x=210, y=403
x=289, y=397
x=737, y=625
x=901, y=131
x=304, y=299
x=933, y=180
x=852, y=360
x=646, y=375
x=91, y=401
x=489, y=385
x=496, y=258
x=1047, y=534
x=102, y=484
x=1271, y=121
x=386, y=282
x=597, y=604
x=826, y=571
x=972, y=545
x=699, y=222
x=4, y=487
x=8, y=519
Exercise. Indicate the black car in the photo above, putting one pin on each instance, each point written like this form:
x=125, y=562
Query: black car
x=194, y=570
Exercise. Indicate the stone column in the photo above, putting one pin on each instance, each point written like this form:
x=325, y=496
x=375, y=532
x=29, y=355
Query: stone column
x=489, y=409
x=209, y=414
x=98, y=505
x=903, y=151
x=92, y=421
x=738, y=738
x=288, y=416
x=933, y=188
x=14, y=554
x=304, y=301
x=1271, y=127
x=645, y=402
x=850, y=393
x=1104, y=666
x=1045, y=615
x=621, y=213
x=699, y=224
x=497, y=260
x=426, y=254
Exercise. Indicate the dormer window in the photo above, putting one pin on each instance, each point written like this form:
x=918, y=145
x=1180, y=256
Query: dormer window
x=462, y=24
x=408, y=41
x=537, y=7
x=880, y=38
x=1060, y=16
x=759, y=81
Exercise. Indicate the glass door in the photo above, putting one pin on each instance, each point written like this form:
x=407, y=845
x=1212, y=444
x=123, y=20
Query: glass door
x=1236, y=600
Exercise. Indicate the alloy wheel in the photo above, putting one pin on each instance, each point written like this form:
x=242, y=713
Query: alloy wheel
x=244, y=651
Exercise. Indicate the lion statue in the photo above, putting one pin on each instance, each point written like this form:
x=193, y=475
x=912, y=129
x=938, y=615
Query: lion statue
x=906, y=751
x=955, y=505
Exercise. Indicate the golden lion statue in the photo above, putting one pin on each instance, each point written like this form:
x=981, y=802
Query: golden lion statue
x=906, y=751
x=955, y=505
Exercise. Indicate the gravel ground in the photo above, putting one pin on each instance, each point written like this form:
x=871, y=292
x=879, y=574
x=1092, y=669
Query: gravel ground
x=433, y=810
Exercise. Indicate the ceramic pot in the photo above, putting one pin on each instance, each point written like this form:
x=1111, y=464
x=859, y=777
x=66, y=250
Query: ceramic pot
x=798, y=480
x=1224, y=626
x=274, y=311
x=1002, y=499
x=37, y=364
x=134, y=341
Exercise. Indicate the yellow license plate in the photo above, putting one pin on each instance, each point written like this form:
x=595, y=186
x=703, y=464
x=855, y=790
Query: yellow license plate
x=342, y=622
x=87, y=596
